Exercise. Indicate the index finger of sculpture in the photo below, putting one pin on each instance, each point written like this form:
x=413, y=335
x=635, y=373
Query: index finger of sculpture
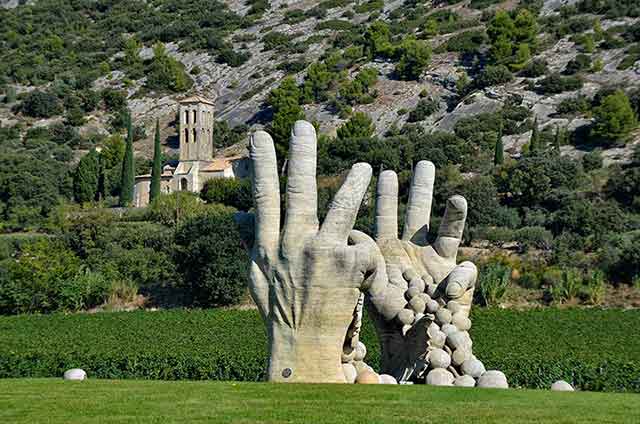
x=345, y=205
x=386, y=222
x=266, y=192
x=387, y=299
x=452, y=227
x=418, y=213
x=302, y=195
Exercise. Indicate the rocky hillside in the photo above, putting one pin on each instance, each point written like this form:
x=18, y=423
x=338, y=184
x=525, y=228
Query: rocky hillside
x=312, y=29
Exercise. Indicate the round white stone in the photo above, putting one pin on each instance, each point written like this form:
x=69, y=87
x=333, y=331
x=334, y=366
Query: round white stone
x=361, y=352
x=562, y=386
x=412, y=292
x=432, y=306
x=75, y=374
x=459, y=356
x=458, y=340
x=440, y=377
x=443, y=316
x=493, y=380
x=417, y=305
x=449, y=329
x=438, y=358
x=473, y=367
x=406, y=316
x=461, y=321
x=387, y=379
x=350, y=373
x=464, y=381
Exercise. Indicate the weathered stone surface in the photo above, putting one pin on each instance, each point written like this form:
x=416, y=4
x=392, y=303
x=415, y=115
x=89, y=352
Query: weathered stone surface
x=75, y=374
x=361, y=352
x=493, y=380
x=562, y=386
x=387, y=379
x=440, y=377
x=327, y=264
x=368, y=377
x=350, y=373
x=464, y=381
x=317, y=262
x=473, y=367
x=438, y=358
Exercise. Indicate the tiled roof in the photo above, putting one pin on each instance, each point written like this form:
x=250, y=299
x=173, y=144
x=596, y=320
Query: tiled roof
x=197, y=99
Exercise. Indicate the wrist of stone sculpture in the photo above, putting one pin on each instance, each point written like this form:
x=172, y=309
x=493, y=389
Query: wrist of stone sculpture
x=310, y=349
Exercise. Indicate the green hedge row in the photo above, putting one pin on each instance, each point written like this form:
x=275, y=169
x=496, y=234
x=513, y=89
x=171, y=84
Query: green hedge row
x=593, y=349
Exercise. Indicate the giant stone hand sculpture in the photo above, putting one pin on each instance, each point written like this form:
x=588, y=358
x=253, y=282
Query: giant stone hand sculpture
x=307, y=279
x=430, y=332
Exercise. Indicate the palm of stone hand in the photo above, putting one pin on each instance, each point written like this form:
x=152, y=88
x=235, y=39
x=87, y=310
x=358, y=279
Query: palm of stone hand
x=306, y=281
x=438, y=293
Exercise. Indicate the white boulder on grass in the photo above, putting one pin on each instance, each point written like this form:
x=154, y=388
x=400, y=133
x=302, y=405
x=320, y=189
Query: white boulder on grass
x=493, y=380
x=562, y=386
x=75, y=374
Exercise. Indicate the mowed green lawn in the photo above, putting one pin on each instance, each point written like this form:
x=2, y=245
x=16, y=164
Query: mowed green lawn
x=124, y=401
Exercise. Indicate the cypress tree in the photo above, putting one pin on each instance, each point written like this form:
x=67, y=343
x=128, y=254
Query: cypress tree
x=85, y=179
x=126, y=190
x=498, y=157
x=535, y=138
x=156, y=171
x=556, y=141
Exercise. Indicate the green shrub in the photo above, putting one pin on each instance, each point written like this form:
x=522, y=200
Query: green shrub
x=594, y=288
x=232, y=58
x=423, y=110
x=592, y=160
x=533, y=348
x=228, y=191
x=465, y=42
x=568, y=287
x=493, y=75
x=576, y=104
x=34, y=280
x=335, y=25
x=556, y=83
x=166, y=73
x=534, y=237
x=614, y=118
x=580, y=63
x=274, y=40
x=535, y=68
x=493, y=281
x=41, y=104
x=211, y=259
x=171, y=209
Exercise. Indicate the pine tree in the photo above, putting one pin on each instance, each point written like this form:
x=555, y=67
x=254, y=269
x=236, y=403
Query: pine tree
x=156, y=171
x=126, y=190
x=534, y=142
x=85, y=179
x=498, y=158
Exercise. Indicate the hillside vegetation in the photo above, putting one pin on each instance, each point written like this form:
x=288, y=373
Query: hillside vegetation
x=528, y=109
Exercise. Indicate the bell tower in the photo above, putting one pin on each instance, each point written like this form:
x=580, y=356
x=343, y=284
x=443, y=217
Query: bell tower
x=196, y=126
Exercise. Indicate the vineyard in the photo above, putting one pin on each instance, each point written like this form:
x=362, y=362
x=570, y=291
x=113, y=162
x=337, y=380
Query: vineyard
x=591, y=348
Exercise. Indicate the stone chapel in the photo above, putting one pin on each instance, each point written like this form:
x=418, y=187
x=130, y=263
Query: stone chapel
x=197, y=163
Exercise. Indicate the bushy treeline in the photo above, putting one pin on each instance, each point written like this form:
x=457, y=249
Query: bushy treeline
x=591, y=349
x=178, y=252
